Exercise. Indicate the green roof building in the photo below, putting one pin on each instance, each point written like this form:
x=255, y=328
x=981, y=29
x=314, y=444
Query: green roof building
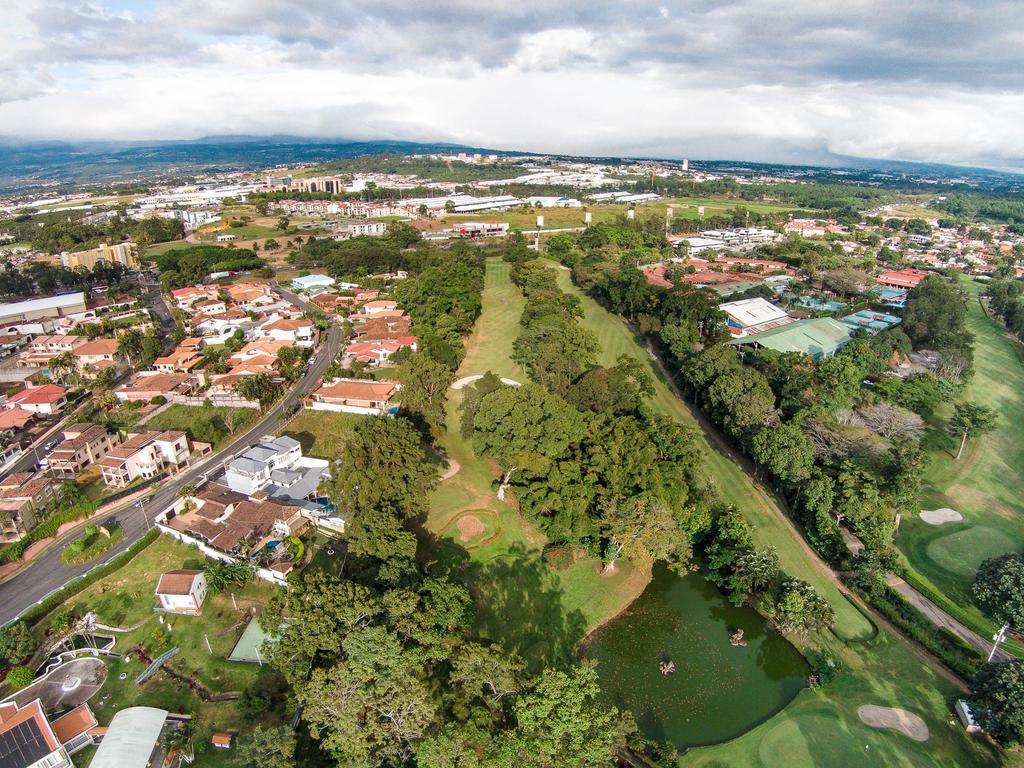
x=816, y=337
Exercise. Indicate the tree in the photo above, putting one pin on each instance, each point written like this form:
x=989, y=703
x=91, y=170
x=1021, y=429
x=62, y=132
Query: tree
x=488, y=672
x=371, y=707
x=560, y=723
x=267, y=748
x=999, y=588
x=997, y=700
x=259, y=387
x=222, y=574
x=797, y=607
x=644, y=526
x=130, y=345
x=935, y=313
x=785, y=452
x=16, y=642
x=753, y=572
x=971, y=420
x=424, y=390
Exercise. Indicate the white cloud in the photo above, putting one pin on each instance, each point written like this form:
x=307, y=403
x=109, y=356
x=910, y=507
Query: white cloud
x=760, y=79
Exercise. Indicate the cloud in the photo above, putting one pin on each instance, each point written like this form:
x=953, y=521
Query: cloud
x=920, y=79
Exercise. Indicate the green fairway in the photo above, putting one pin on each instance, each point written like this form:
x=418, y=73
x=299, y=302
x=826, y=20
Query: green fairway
x=986, y=485
x=537, y=610
x=732, y=483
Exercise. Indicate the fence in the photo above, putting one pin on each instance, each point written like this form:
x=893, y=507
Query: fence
x=222, y=401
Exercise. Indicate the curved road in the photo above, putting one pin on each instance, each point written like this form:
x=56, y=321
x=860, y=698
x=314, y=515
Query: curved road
x=48, y=573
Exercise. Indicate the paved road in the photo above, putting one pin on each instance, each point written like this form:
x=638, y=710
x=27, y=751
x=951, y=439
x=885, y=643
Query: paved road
x=47, y=572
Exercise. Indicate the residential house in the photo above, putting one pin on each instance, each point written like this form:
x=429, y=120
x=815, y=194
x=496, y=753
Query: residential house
x=185, y=297
x=231, y=524
x=180, y=360
x=277, y=468
x=83, y=445
x=378, y=306
x=361, y=396
x=22, y=499
x=46, y=400
x=248, y=296
x=263, y=352
x=144, y=455
x=42, y=349
x=210, y=307
x=299, y=331
x=145, y=385
x=95, y=356
x=182, y=591
x=377, y=328
x=14, y=419
x=379, y=352
x=29, y=740
x=222, y=325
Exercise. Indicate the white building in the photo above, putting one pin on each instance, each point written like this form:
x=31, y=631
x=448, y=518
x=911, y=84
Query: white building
x=694, y=245
x=182, y=591
x=276, y=467
x=306, y=282
x=750, y=316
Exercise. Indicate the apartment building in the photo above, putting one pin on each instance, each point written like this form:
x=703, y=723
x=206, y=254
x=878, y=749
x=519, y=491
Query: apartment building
x=83, y=445
x=122, y=253
x=22, y=499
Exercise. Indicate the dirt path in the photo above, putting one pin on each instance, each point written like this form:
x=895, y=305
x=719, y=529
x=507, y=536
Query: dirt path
x=941, y=619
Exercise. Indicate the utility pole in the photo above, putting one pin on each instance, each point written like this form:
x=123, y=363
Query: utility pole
x=998, y=638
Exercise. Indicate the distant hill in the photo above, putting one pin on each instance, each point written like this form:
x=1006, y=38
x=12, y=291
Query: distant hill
x=57, y=166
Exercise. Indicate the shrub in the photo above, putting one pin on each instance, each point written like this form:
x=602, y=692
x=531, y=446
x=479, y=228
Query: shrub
x=91, y=546
x=158, y=400
x=19, y=677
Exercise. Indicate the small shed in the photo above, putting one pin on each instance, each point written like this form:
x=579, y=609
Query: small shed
x=182, y=591
x=221, y=741
x=963, y=711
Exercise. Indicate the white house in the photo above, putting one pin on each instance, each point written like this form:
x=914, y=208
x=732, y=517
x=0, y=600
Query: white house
x=298, y=330
x=182, y=591
x=360, y=396
x=277, y=468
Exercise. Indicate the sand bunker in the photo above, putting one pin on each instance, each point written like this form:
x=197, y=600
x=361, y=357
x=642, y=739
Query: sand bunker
x=467, y=380
x=900, y=720
x=469, y=527
x=941, y=516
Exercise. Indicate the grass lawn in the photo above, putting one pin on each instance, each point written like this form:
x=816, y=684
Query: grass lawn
x=539, y=611
x=986, y=485
x=125, y=599
x=184, y=417
x=155, y=250
x=247, y=232
x=322, y=433
x=821, y=726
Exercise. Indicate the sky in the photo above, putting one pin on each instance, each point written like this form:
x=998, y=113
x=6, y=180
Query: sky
x=765, y=80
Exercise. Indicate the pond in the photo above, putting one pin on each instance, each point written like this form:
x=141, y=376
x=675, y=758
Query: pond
x=717, y=691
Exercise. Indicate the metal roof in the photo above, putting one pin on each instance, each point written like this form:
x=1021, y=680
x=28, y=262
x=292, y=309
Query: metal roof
x=816, y=337
x=130, y=739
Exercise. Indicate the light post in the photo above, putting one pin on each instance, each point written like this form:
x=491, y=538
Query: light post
x=998, y=638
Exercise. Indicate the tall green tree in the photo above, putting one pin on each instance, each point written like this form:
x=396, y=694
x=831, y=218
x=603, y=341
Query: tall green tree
x=971, y=420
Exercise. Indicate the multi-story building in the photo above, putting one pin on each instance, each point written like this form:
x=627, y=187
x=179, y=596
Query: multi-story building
x=144, y=455
x=122, y=253
x=83, y=445
x=22, y=498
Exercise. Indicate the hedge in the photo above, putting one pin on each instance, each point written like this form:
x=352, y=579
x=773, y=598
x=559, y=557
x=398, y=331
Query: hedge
x=46, y=529
x=39, y=611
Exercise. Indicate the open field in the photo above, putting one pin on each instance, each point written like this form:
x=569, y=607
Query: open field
x=321, y=433
x=821, y=726
x=537, y=610
x=986, y=486
x=125, y=599
x=184, y=417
